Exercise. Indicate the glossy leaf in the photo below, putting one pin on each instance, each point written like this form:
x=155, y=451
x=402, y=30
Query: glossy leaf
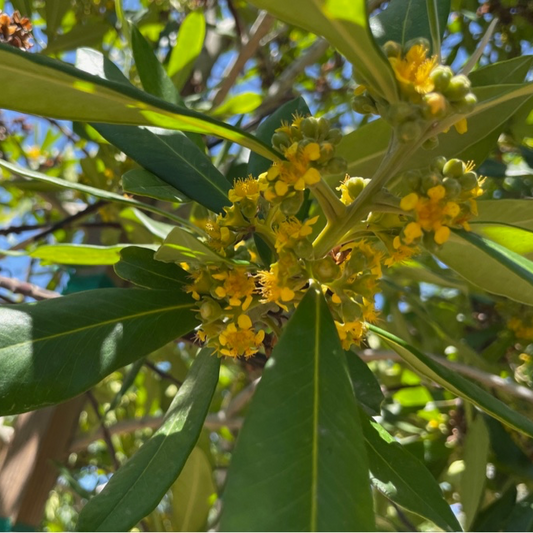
x=93, y=191
x=53, y=350
x=514, y=212
x=366, y=387
x=497, y=269
x=344, y=23
x=54, y=12
x=455, y=383
x=258, y=164
x=143, y=183
x=305, y=466
x=191, y=493
x=175, y=159
x=401, y=477
x=493, y=517
x=138, y=266
x=404, y=20
x=182, y=245
x=188, y=46
x=238, y=105
x=89, y=34
x=44, y=86
x=476, y=453
x=138, y=487
x=511, y=237
x=134, y=217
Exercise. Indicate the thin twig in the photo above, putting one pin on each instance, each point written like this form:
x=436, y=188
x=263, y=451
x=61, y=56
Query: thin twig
x=27, y=289
x=162, y=374
x=34, y=227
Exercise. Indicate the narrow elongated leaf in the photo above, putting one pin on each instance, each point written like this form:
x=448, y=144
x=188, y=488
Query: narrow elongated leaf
x=509, y=71
x=44, y=86
x=89, y=34
x=188, y=46
x=455, y=383
x=143, y=183
x=138, y=266
x=138, y=487
x=258, y=164
x=404, y=20
x=365, y=385
x=493, y=517
x=306, y=466
x=175, y=159
x=93, y=191
x=513, y=212
x=53, y=350
x=344, y=23
x=401, y=477
x=489, y=265
x=159, y=230
x=237, y=105
x=476, y=452
x=181, y=245
x=513, y=238
x=54, y=12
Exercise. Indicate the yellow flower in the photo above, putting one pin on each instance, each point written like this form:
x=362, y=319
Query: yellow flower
x=273, y=289
x=292, y=230
x=412, y=232
x=243, y=189
x=400, y=253
x=219, y=236
x=414, y=69
x=442, y=235
x=350, y=333
x=240, y=339
x=461, y=126
x=237, y=285
x=369, y=311
x=408, y=203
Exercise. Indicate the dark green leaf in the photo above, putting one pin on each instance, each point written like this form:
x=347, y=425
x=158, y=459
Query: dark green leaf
x=138, y=266
x=521, y=517
x=401, y=477
x=53, y=350
x=365, y=385
x=258, y=164
x=306, y=466
x=89, y=34
x=138, y=487
x=493, y=517
x=55, y=11
x=455, y=383
x=143, y=183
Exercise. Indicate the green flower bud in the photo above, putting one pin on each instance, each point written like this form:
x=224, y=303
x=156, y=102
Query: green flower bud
x=430, y=181
x=334, y=136
x=351, y=311
x=325, y=270
x=292, y=204
x=280, y=140
x=304, y=249
x=210, y=310
x=434, y=106
x=364, y=105
x=392, y=49
x=468, y=181
x=355, y=186
x=336, y=165
x=309, y=127
x=431, y=143
x=454, y=168
x=357, y=263
x=418, y=40
x=441, y=76
x=429, y=242
x=412, y=178
x=409, y=131
x=458, y=88
x=452, y=186
x=296, y=134
x=467, y=105
x=323, y=127
x=399, y=113
x=438, y=163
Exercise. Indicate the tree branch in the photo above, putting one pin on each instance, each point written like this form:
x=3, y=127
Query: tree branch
x=27, y=289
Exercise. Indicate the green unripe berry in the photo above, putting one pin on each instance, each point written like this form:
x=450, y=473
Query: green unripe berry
x=441, y=76
x=430, y=181
x=467, y=105
x=304, y=249
x=291, y=205
x=431, y=143
x=334, y=136
x=336, y=165
x=280, y=140
x=468, y=181
x=323, y=127
x=454, y=168
x=309, y=127
x=452, y=186
x=392, y=49
x=399, y=113
x=438, y=163
x=364, y=105
x=409, y=131
x=325, y=270
x=458, y=88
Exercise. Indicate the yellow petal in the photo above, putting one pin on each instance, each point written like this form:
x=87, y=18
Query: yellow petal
x=244, y=322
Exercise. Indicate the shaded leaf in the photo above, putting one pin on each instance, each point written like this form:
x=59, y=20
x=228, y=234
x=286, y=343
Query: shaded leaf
x=143, y=183
x=366, y=387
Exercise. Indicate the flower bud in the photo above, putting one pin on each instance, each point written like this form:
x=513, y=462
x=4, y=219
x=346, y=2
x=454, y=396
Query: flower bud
x=336, y=165
x=467, y=105
x=417, y=41
x=399, y=113
x=409, y=131
x=454, y=168
x=355, y=186
x=210, y=310
x=392, y=49
x=458, y=88
x=334, y=136
x=357, y=263
x=325, y=270
x=323, y=127
x=304, y=249
x=452, y=186
x=438, y=163
x=434, y=106
x=364, y=105
x=441, y=76
x=292, y=204
x=431, y=143
x=280, y=140
x=309, y=127
x=430, y=181
x=411, y=178
x=468, y=181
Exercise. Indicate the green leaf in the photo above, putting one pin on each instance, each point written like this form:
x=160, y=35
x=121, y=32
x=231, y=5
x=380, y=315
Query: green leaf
x=182, y=245
x=133, y=217
x=402, y=478
x=404, y=20
x=43, y=86
x=54, y=12
x=238, y=105
x=175, y=159
x=489, y=265
x=138, y=266
x=53, y=350
x=476, y=453
x=344, y=23
x=153, y=76
x=89, y=34
x=138, y=487
x=455, y=383
x=365, y=385
x=188, y=46
x=191, y=493
x=514, y=212
x=143, y=183
x=258, y=164
x=510, y=71
x=93, y=191
x=305, y=466
x=511, y=237
x=493, y=517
